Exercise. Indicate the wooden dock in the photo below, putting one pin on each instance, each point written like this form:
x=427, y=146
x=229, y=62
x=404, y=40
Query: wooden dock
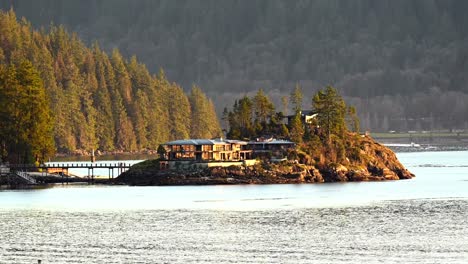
x=62, y=169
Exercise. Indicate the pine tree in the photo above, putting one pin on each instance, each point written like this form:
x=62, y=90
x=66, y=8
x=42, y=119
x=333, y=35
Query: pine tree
x=159, y=123
x=331, y=109
x=125, y=135
x=204, y=122
x=296, y=130
x=142, y=107
x=122, y=78
x=263, y=107
x=105, y=128
x=26, y=131
x=352, y=119
x=179, y=113
x=199, y=127
x=244, y=117
x=296, y=98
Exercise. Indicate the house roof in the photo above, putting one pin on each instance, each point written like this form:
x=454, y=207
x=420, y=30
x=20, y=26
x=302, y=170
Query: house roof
x=216, y=141
x=235, y=141
x=304, y=113
x=308, y=112
x=272, y=142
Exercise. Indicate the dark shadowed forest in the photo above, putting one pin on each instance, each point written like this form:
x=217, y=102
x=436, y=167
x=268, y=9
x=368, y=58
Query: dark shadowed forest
x=402, y=63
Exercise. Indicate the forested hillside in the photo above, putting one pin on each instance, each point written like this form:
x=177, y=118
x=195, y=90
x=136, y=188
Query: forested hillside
x=402, y=63
x=90, y=99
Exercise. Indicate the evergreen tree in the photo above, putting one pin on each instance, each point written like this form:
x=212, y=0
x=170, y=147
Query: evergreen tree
x=122, y=78
x=142, y=119
x=159, y=126
x=296, y=130
x=242, y=117
x=296, y=99
x=179, y=113
x=331, y=109
x=263, y=107
x=352, y=119
x=204, y=122
x=125, y=136
x=214, y=127
x=263, y=111
x=26, y=131
x=199, y=110
x=105, y=128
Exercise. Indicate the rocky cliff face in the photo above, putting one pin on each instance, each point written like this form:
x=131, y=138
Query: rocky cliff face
x=376, y=163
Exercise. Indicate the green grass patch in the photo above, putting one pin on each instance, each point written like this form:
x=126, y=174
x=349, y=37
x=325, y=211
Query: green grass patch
x=147, y=164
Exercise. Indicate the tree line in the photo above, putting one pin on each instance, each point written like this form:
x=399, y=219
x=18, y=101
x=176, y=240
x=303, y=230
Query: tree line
x=256, y=116
x=68, y=96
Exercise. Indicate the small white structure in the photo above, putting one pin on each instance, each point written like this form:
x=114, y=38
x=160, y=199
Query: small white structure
x=4, y=169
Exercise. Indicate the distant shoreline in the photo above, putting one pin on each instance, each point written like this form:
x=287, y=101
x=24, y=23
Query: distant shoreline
x=398, y=142
x=404, y=142
x=424, y=137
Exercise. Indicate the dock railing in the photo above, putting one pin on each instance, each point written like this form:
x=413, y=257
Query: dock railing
x=25, y=176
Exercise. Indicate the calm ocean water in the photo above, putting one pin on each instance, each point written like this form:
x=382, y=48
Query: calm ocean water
x=423, y=220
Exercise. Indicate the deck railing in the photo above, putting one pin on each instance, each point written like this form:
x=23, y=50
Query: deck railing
x=25, y=176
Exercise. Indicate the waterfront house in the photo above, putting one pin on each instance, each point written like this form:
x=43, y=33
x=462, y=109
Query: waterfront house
x=206, y=152
x=270, y=147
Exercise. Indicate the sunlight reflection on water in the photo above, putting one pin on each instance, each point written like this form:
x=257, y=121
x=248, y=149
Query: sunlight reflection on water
x=422, y=220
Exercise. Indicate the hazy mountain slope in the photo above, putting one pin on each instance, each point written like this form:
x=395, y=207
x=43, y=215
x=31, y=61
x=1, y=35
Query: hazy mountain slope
x=405, y=53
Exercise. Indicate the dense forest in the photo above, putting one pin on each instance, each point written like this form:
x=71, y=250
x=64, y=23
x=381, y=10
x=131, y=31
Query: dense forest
x=402, y=63
x=58, y=94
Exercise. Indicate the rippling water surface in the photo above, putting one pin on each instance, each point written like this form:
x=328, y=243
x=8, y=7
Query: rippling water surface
x=424, y=220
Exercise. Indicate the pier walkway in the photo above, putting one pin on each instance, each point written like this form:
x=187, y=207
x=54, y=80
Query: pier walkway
x=114, y=168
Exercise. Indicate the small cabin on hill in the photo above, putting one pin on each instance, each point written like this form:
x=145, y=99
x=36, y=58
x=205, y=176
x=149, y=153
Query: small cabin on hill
x=307, y=116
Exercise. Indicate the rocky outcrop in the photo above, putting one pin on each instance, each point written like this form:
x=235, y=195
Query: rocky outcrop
x=258, y=174
x=376, y=163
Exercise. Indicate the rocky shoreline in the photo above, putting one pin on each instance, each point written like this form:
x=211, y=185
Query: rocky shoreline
x=379, y=164
x=255, y=175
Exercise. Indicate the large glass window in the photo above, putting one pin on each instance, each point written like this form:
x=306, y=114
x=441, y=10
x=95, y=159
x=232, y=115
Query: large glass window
x=207, y=147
